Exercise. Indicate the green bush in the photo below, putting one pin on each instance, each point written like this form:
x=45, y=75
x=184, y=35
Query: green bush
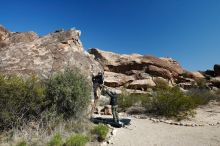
x=55, y=141
x=171, y=102
x=126, y=100
x=101, y=131
x=201, y=96
x=20, y=100
x=22, y=143
x=161, y=84
x=70, y=93
x=77, y=140
x=146, y=101
x=201, y=83
x=65, y=95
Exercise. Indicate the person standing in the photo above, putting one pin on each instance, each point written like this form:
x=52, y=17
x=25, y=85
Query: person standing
x=114, y=104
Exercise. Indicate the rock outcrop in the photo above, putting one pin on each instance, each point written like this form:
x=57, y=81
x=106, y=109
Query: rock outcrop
x=136, y=71
x=142, y=84
x=122, y=63
x=195, y=75
x=117, y=79
x=25, y=53
x=140, y=72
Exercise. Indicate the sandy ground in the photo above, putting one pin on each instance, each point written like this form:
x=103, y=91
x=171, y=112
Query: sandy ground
x=143, y=132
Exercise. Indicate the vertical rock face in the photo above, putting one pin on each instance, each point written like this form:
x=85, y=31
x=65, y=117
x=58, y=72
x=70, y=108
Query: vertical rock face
x=26, y=54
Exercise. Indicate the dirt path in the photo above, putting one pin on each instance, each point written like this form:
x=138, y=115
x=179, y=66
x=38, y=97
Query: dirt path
x=144, y=132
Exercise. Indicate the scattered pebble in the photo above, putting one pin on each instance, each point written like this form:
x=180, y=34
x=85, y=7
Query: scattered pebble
x=172, y=123
x=161, y=120
x=168, y=122
x=114, y=132
x=103, y=143
x=175, y=123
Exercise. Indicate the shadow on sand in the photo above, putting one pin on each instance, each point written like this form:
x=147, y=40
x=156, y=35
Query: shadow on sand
x=123, y=122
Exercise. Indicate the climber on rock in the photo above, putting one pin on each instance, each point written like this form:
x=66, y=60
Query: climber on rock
x=97, y=81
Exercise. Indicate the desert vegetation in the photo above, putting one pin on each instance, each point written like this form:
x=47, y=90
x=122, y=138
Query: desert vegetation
x=53, y=112
x=169, y=101
x=34, y=111
x=77, y=140
x=100, y=131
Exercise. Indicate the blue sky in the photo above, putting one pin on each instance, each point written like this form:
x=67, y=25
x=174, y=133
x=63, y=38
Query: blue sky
x=186, y=30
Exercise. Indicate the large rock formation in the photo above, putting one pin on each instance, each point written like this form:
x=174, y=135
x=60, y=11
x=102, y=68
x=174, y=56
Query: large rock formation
x=136, y=71
x=25, y=53
x=117, y=79
x=122, y=63
x=139, y=72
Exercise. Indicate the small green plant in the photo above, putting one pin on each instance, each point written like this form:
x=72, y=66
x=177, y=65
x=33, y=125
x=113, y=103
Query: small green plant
x=55, y=141
x=101, y=131
x=22, y=143
x=77, y=140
